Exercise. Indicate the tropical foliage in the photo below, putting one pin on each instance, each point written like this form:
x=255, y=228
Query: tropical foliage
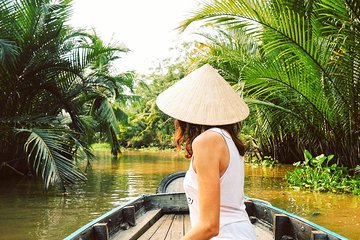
x=299, y=64
x=56, y=91
x=318, y=174
x=263, y=162
x=147, y=125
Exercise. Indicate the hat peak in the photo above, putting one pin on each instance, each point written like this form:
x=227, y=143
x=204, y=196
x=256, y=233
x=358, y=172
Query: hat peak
x=203, y=97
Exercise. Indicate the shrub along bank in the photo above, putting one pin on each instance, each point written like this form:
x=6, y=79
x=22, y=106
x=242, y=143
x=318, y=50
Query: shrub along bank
x=319, y=174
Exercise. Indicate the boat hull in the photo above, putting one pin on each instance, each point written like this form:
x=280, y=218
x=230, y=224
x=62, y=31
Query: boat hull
x=165, y=216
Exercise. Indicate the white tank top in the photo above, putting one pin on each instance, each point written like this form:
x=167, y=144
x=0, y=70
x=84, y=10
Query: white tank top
x=232, y=207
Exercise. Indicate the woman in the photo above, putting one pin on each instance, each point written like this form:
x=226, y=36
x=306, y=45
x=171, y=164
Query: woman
x=207, y=112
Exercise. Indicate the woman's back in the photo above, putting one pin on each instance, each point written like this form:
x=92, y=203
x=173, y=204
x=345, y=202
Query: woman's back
x=234, y=221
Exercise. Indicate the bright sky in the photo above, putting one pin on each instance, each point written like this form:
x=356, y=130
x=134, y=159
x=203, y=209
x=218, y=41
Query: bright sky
x=146, y=27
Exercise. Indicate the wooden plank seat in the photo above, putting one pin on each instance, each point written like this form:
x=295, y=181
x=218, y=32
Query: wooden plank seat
x=143, y=223
x=153, y=225
x=174, y=226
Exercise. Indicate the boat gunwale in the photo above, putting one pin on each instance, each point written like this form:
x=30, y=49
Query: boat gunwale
x=142, y=197
x=294, y=216
x=101, y=217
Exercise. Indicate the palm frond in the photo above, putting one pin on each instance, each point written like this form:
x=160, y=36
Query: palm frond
x=48, y=68
x=50, y=153
x=307, y=69
x=284, y=33
x=105, y=112
x=8, y=51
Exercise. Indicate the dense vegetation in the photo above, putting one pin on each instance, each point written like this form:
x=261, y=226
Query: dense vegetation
x=318, y=174
x=299, y=64
x=296, y=63
x=147, y=126
x=57, y=91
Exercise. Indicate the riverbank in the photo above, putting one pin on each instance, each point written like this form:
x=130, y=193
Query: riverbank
x=103, y=146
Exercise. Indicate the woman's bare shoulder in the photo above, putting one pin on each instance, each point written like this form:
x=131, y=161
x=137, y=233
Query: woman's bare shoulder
x=208, y=150
x=208, y=139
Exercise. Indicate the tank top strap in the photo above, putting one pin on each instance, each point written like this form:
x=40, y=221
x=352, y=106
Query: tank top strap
x=222, y=132
x=233, y=152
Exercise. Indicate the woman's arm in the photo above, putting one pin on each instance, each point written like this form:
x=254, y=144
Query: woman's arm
x=208, y=149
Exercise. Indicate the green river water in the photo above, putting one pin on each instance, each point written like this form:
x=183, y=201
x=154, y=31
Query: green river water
x=26, y=212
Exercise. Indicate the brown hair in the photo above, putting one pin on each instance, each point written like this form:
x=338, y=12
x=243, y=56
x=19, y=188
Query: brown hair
x=187, y=132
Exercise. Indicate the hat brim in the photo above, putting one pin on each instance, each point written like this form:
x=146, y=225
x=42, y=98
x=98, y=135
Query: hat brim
x=203, y=97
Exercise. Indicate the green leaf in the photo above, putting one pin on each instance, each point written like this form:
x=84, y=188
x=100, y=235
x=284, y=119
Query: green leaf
x=48, y=150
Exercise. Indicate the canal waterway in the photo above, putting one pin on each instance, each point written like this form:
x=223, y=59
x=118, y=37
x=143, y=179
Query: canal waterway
x=26, y=212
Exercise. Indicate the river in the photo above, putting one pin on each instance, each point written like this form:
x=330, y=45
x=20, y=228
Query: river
x=26, y=212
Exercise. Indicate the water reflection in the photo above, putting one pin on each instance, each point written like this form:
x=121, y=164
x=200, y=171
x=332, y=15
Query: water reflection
x=337, y=212
x=27, y=213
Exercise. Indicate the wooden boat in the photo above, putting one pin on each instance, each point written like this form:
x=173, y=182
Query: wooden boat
x=165, y=216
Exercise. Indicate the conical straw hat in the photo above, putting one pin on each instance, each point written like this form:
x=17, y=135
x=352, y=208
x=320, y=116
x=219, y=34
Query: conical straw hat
x=203, y=97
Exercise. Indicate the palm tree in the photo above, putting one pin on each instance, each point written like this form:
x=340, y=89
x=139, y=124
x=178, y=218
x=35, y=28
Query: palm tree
x=303, y=87
x=111, y=92
x=48, y=81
